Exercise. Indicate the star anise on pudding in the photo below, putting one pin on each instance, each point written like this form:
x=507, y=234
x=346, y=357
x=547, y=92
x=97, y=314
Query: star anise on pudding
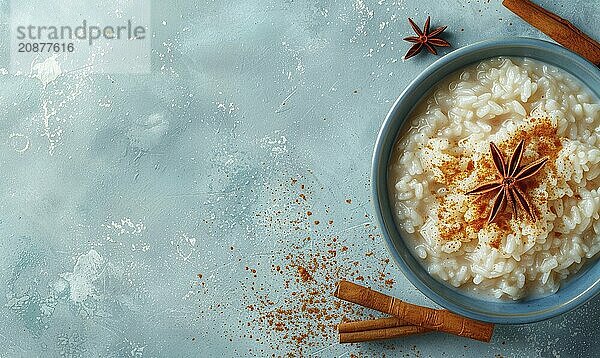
x=424, y=38
x=511, y=174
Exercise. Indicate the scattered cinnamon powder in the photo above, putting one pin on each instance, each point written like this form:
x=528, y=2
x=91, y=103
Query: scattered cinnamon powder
x=304, y=275
x=453, y=171
x=296, y=312
x=540, y=137
x=495, y=243
x=470, y=165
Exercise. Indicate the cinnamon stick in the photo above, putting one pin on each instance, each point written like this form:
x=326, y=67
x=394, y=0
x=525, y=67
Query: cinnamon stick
x=437, y=320
x=371, y=324
x=378, y=334
x=559, y=29
x=376, y=329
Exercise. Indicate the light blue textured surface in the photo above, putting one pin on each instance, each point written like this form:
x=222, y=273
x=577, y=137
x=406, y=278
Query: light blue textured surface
x=119, y=190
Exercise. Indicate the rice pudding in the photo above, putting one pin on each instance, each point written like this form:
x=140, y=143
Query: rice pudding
x=444, y=153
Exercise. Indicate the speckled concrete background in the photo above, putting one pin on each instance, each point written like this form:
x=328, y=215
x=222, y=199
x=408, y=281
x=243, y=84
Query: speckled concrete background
x=208, y=208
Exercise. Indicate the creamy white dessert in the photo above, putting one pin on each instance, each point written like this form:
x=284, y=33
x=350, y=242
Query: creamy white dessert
x=445, y=153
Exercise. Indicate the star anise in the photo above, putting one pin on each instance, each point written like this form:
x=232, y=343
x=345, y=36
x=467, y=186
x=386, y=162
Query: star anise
x=510, y=175
x=425, y=39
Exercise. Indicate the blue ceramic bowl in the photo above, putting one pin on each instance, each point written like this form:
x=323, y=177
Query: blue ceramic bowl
x=579, y=288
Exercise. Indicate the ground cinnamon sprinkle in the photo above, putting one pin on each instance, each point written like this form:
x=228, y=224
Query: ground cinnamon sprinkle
x=495, y=243
x=299, y=315
x=540, y=137
x=470, y=165
x=453, y=171
x=304, y=275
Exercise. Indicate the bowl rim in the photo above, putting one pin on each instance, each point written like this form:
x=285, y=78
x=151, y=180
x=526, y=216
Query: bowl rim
x=502, y=42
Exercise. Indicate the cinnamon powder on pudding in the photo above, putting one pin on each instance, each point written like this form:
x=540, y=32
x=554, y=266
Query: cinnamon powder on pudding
x=541, y=137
